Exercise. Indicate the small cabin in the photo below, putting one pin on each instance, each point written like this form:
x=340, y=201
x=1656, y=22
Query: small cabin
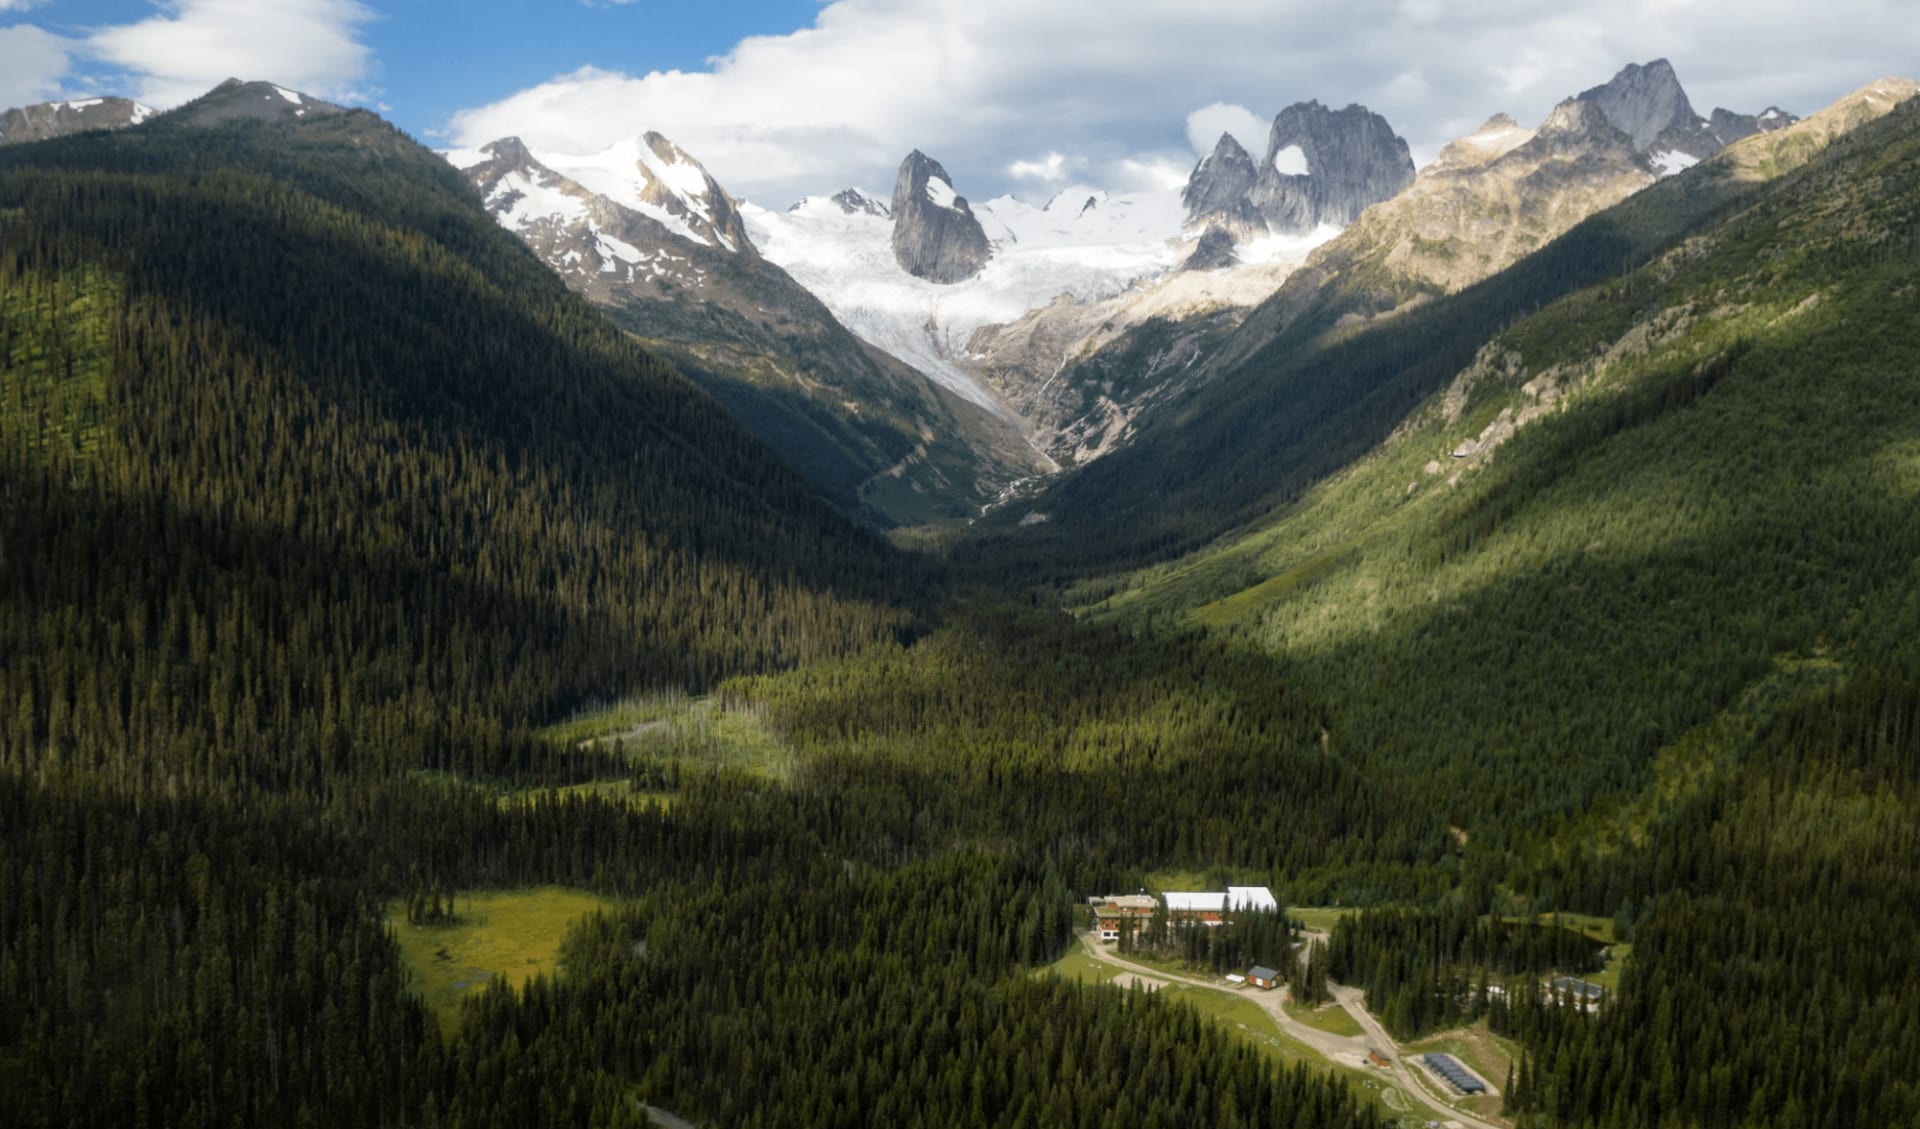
x=1260, y=976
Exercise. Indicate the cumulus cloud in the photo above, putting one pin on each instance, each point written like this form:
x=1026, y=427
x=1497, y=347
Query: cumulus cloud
x=32, y=62
x=985, y=84
x=1050, y=169
x=1206, y=124
x=192, y=45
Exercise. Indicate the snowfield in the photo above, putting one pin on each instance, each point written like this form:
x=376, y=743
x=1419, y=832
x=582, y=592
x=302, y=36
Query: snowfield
x=1039, y=254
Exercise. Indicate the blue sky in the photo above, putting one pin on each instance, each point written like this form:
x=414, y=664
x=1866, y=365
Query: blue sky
x=430, y=58
x=784, y=97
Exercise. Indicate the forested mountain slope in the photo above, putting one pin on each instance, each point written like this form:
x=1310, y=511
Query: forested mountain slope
x=1297, y=404
x=1632, y=599
x=317, y=494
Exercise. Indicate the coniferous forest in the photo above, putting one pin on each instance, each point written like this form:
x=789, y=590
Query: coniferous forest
x=324, y=506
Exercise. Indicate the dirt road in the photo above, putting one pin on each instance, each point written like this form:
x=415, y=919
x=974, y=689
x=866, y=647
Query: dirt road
x=1343, y=1049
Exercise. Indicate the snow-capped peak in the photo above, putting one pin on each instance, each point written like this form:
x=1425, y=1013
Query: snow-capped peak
x=647, y=174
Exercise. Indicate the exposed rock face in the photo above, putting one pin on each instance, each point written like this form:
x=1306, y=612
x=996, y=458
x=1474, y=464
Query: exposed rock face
x=1648, y=104
x=643, y=231
x=234, y=100
x=1219, y=192
x=936, y=236
x=1322, y=167
x=1213, y=252
x=76, y=115
x=1490, y=198
x=1327, y=166
x=855, y=203
x=1644, y=101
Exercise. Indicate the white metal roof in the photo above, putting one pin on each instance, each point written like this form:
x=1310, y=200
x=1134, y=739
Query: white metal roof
x=1252, y=897
x=1195, y=902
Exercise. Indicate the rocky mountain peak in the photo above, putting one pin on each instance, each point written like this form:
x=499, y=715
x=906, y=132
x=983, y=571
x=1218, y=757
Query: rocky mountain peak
x=857, y=203
x=1325, y=167
x=235, y=100
x=1219, y=190
x=74, y=115
x=936, y=236
x=1496, y=137
x=1644, y=101
x=1578, y=117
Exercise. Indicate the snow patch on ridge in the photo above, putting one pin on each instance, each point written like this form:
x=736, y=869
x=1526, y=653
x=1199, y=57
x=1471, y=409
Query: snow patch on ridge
x=1671, y=162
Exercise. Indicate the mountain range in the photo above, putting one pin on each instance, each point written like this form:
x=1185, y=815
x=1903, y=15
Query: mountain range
x=1509, y=562
x=1044, y=334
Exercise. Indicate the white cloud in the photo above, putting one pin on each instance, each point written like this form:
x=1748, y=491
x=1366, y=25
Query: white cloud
x=1206, y=124
x=310, y=45
x=1050, y=170
x=32, y=62
x=983, y=85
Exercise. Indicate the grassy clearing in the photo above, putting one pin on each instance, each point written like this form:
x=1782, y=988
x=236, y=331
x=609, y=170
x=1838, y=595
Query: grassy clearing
x=1322, y=919
x=694, y=733
x=1331, y=1018
x=1079, y=964
x=513, y=933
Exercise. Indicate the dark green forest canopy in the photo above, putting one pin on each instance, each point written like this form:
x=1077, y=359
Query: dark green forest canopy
x=318, y=496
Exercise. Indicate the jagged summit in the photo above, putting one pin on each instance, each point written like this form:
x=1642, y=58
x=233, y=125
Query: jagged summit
x=1643, y=101
x=1648, y=104
x=1219, y=192
x=854, y=202
x=936, y=236
x=1322, y=168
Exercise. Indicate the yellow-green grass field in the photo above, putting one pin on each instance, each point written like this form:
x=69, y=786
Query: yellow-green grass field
x=1320, y=918
x=696, y=732
x=1485, y=1053
x=510, y=933
x=1331, y=1018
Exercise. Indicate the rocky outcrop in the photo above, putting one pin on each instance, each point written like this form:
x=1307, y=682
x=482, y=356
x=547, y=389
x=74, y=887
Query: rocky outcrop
x=936, y=236
x=1648, y=104
x=1325, y=167
x=1219, y=192
x=1643, y=102
x=1490, y=198
x=645, y=233
x=75, y=115
x=234, y=100
x=1214, y=251
x=856, y=203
